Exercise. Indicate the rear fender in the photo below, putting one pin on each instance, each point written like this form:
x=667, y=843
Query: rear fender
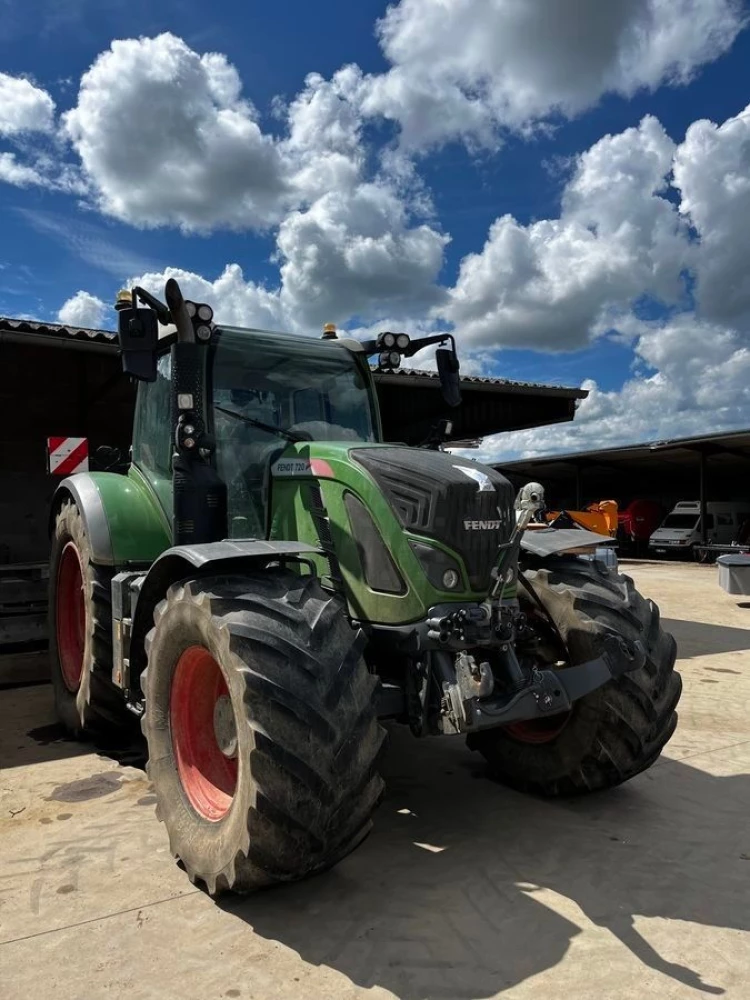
x=124, y=524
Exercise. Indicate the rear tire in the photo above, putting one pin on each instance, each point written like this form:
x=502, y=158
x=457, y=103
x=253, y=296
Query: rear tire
x=80, y=633
x=616, y=731
x=288, y=787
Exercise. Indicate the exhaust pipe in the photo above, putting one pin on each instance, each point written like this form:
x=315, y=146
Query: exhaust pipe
x=180, y=315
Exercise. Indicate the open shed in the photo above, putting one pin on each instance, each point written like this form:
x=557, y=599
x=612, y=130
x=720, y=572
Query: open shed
x=715, y=466
x=711, y=467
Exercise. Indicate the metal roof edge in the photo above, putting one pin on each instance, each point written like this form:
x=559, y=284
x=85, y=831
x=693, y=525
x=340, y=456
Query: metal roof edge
x=61, y=333
x=665, y=444
x=41, y=328
x=414, y=376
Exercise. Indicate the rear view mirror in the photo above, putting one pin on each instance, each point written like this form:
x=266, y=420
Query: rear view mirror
x=448, y=369
x=138, y=331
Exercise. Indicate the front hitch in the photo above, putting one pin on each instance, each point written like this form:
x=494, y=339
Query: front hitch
x=467, y=708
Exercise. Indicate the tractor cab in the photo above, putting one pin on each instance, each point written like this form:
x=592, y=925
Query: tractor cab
x=264, y=390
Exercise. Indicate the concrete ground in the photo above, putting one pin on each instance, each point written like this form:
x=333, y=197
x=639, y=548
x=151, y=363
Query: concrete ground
x=465, y=890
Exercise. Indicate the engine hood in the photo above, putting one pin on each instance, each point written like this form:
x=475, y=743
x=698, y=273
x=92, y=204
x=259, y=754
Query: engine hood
x=466, y=506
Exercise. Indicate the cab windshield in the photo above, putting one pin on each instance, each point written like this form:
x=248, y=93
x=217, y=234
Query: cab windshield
x=311, y=387
x=268, y=388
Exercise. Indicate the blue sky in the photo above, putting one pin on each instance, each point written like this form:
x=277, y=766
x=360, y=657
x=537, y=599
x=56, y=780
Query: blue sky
x=568, y=196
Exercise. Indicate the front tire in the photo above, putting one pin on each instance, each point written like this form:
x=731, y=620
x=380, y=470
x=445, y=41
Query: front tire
x=261, y=729
x=616, y=731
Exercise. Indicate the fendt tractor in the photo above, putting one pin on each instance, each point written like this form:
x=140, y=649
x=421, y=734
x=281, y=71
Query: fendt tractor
x=268, y=581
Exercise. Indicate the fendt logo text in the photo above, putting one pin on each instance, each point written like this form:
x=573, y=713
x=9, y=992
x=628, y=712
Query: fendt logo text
x=482, y=525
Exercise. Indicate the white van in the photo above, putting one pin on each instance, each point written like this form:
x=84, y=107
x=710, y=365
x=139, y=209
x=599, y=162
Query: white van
x=681, y=529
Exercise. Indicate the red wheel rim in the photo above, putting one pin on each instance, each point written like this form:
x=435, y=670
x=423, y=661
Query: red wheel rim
x=538, y=730
x=199, y=697
x=70, y=617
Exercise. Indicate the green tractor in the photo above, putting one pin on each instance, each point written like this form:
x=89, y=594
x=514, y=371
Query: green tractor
x=268, y=581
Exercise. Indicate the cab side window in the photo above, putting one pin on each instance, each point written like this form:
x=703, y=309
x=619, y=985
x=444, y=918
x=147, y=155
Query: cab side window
x=152, y=445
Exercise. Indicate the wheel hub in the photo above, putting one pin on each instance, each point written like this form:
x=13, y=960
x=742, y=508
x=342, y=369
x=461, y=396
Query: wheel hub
x=538, y=731
x=204, y=733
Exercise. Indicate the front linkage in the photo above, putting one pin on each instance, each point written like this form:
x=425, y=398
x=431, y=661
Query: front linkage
x=468, y=684
x=468, y=654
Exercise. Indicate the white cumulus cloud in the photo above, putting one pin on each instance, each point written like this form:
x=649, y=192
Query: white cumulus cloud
x=84, y=310
x=354, y=252
x=24, y=107
x=349, y=244
x=235, y=302
x=463, y=68
x=712, y=172
x=352, y=246
x=166, y=138
x=554, y=283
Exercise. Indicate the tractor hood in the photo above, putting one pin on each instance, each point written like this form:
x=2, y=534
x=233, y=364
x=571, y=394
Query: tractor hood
x=466, y=506
x=408, y=529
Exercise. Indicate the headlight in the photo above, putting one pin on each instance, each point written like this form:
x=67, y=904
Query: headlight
x=441, y=570
x=388, y=340
x=402, y=341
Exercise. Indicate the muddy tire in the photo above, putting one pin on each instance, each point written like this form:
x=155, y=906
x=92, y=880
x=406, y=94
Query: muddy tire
x=261, y=728
x=616, y=731
x=80, y=633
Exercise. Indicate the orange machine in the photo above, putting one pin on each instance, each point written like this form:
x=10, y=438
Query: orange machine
x=600, y=517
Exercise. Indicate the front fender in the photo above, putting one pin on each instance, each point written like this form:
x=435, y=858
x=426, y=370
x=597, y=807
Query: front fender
x=124, y=524
x=544, y=542
x=185, y=561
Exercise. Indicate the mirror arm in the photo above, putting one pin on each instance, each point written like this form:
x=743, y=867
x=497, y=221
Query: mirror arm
x=371, y=346
x=422, y=342
x=162, y=313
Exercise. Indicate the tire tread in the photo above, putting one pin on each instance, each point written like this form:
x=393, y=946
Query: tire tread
x=629, y=720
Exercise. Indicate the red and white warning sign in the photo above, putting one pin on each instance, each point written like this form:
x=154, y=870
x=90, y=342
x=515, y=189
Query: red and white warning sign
x=67, y=455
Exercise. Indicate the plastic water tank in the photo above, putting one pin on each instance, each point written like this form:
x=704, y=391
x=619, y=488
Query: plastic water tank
x=734, y=573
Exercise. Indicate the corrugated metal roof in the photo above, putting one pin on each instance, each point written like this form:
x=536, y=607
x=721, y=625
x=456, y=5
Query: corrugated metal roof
x=734, y=443
x=56, y=330
x=491, y=383
x=82, y=335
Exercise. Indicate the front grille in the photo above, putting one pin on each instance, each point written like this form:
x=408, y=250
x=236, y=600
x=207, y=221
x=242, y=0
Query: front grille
x=439, y=496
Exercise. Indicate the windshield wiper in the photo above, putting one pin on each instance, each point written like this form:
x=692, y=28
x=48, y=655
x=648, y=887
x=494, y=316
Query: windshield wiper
x=268, y=428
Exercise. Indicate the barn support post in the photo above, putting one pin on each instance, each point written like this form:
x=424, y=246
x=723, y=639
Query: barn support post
x=702, y=461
